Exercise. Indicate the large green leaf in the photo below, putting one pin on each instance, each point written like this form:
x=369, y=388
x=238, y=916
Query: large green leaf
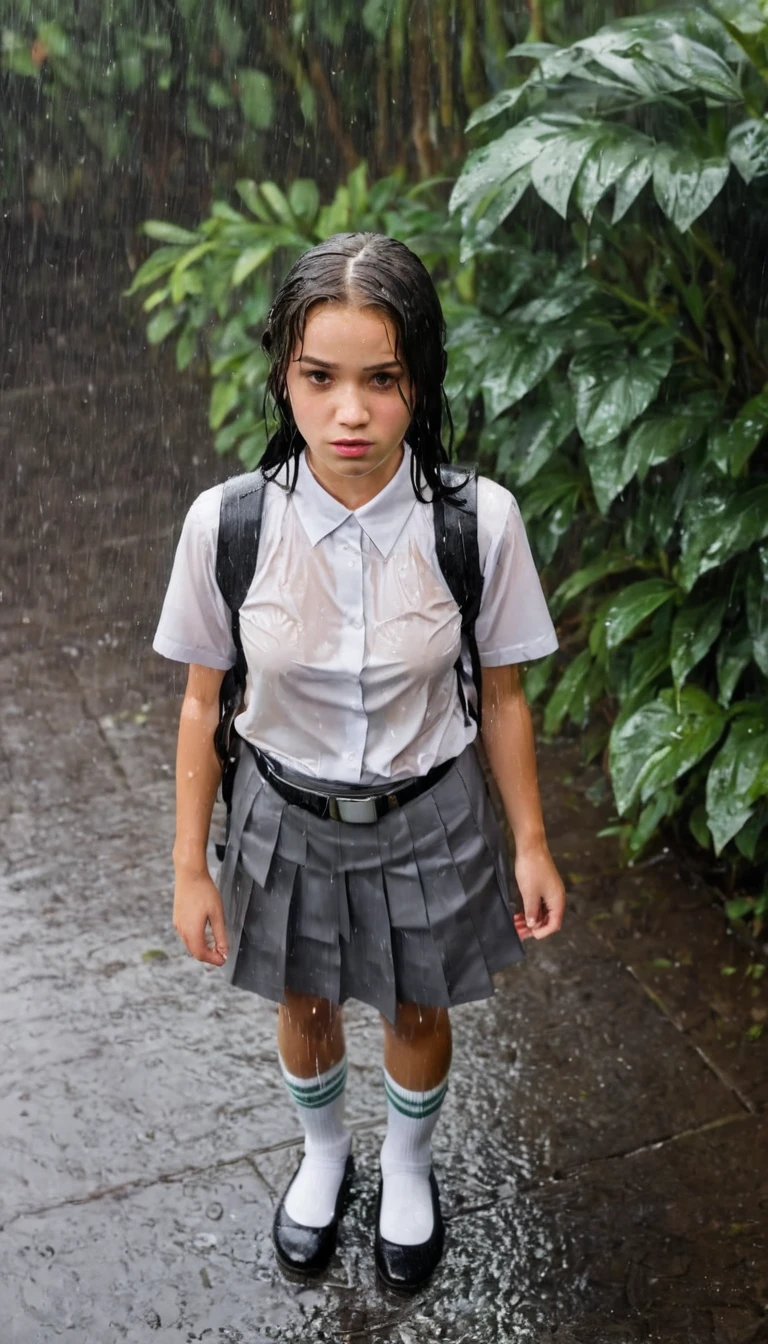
x=757, y=608
x=621, y=613
x=718, y=526
x=650, y=659
x=571, y=693
x=731, y=445
x=515, y=363
x=744, y=15
x=748, y=148
x=733, y=782
x=536, y=435
x=613, y=387
x=250, y=260
x=487, y=168
x=611, y=156
x=630, y=184
x=557, y=165
x=501, y=102
x=661, y=741
x=582, y=579
x=609, y=470
x=659, y=437
x=694, y=631
x=491, y=211
x=685, y=185
x=734, y=654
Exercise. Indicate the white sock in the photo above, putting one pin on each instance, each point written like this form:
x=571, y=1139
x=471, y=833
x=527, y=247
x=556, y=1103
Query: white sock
x=311, y=1198
x=406, y=1160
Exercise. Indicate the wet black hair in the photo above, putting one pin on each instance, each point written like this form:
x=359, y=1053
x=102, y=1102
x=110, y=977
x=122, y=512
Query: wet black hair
x=368, y=270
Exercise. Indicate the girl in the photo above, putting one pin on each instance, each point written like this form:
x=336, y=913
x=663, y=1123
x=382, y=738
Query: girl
x=364, y=858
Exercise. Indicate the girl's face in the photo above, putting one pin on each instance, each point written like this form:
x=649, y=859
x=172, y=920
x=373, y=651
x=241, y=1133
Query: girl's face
x=347, y=388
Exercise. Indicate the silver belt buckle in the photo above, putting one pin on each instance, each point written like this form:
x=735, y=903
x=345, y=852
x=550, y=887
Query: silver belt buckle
x=359, y=811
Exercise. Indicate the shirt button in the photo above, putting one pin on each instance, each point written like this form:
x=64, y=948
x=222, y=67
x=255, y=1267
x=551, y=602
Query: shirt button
x=350, y=755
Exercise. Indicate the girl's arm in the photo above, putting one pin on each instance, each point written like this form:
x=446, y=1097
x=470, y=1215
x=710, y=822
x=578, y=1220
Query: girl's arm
x=508, y=739
x=197, y=902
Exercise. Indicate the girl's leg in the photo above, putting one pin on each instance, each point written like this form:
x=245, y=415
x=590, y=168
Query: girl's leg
x=417, y=1057
x=310, y=1040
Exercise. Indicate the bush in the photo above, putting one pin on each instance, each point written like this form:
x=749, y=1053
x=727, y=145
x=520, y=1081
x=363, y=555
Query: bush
x=625, y=392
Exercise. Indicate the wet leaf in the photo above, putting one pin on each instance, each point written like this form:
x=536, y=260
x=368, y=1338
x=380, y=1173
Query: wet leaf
x=556, y=167
x=613, y=387
x=610, y=157
x=501, y=102
x=757, y=609
x=582, y=579
x=249, y=260
x=744, y=15
x=304, y=199
x=169, y=233
x=621, y=614
x=731, y=445
x=661, y=741
x=224, y=399
x=488, y=168
x=748, y=148
x=516, y=363
x=570, y=688
x=694, y=631
x=733, y=782
x=154, y=954
x=630, y=185
x=162, y=324
x=660, y=437
x=536, y=435
x=685, y=185
x=734, y=654
x=718, y=526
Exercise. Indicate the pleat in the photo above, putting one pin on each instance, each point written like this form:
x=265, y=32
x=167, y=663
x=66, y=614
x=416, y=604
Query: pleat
x=479, y=862
x=261, y=958
x=367, y=968
x=453, y=931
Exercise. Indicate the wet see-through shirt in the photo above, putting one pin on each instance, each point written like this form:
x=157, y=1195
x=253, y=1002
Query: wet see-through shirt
x=349, y=629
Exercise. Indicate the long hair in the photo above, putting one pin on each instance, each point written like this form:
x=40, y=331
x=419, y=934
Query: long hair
x=367, y=270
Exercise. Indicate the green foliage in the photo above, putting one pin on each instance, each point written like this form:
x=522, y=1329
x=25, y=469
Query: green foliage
x=624, y=383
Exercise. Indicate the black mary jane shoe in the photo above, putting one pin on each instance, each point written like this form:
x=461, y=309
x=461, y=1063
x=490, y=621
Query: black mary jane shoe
x=408, y=1268
x=306, y=1251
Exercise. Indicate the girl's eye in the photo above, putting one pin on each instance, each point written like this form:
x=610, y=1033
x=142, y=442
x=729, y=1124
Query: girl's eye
x=388, y=379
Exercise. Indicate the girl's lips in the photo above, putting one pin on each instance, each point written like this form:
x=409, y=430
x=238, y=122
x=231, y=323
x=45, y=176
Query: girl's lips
x=352, y=449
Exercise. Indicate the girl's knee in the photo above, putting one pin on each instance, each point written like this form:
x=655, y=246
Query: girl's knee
x=309, y=1015
x=415, y=1021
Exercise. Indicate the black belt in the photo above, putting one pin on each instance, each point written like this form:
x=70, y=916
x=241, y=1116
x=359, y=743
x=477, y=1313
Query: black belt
x=361, y=810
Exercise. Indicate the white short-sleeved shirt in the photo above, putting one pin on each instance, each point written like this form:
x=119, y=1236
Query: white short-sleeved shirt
x=350, y=632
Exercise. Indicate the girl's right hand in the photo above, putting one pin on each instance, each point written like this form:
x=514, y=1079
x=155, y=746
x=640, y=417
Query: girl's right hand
x=196, y=907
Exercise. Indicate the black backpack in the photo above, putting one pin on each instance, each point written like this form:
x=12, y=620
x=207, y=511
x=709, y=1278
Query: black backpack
x=238, y=546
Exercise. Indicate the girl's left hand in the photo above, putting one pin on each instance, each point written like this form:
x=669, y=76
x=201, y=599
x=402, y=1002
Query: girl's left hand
x=543, y=893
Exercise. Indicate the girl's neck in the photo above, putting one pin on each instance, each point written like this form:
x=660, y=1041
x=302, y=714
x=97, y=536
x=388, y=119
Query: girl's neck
x=355, y=491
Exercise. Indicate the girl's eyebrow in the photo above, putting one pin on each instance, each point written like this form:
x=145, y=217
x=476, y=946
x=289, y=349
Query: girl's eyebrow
x=368, y=368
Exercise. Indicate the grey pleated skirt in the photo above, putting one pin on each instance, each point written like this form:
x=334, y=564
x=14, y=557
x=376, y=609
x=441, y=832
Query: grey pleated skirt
x=415, y=908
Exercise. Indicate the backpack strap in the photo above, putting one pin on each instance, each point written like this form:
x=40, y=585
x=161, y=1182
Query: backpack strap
x=458, y=554
x=242, y=506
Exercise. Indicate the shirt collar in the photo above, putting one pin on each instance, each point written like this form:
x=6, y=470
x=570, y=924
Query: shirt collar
x=382, y=518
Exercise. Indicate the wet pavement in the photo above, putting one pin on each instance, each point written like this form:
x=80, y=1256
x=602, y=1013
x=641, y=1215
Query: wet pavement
x=602, y=1153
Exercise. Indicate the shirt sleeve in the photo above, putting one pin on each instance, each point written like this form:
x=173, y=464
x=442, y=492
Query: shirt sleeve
x=195, y=622
x=514, y=624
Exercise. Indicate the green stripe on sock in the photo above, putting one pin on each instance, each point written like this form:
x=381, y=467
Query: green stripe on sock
x=318, y=1094
x=323, y=1099
x=415, y=1110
